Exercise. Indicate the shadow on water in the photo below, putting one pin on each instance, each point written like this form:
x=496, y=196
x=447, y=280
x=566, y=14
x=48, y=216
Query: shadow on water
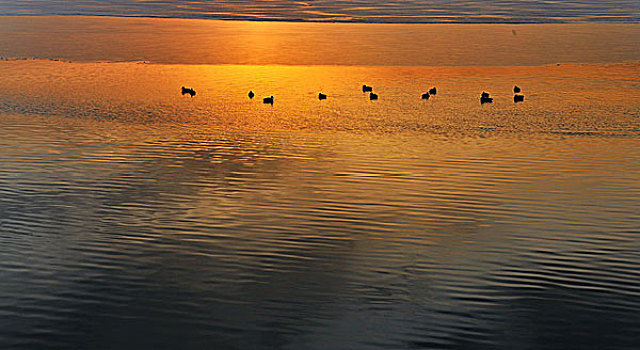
x=121, y=237
x=540, y=318
x=177, y=249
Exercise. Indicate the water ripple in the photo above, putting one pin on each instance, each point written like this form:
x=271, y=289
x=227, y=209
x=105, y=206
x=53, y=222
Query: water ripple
x=124, y=233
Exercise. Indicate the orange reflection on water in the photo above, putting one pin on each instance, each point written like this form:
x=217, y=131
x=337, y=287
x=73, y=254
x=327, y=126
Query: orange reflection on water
x=235, y=202
x=247, y=42
x=575, y=98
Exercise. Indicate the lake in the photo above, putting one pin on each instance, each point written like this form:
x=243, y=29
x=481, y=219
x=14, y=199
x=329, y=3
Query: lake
x=132, y=216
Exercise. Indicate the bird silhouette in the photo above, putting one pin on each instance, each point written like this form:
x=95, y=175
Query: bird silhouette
x=433, y=91
x=518, y=98
x=425, y=96
x=516, y=89
x=366, y=88
x=484, y=98
x=268, y=100
x=322, y=96
x=251, y=94
x=373, y=96
x=189, y=91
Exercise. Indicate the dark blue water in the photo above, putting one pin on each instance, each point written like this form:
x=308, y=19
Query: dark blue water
x=405, y=11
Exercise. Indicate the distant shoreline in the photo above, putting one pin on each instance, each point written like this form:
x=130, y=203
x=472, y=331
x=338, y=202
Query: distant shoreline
x=311, y=21
x=248, y=18
x=37, y=60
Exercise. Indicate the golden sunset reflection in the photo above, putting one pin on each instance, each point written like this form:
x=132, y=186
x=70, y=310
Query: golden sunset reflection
x=383, y=186
x=259, y=42
x=150, y=93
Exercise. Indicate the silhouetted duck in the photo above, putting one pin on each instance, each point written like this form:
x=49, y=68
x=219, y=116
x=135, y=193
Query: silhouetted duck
x=516, y=89
x=268, y=100
x=251, y=94
x=367, y=88
x=484, y=98
x=189, y=91
x=322, y=96
x=373, y=96
x=433, y=91
x=425, y=96
x=518, y=98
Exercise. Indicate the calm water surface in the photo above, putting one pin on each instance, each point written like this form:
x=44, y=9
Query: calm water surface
x=181, y=41
x=133, y=217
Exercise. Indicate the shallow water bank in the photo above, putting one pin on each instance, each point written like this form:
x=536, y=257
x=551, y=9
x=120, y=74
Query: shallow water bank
x=192, y=41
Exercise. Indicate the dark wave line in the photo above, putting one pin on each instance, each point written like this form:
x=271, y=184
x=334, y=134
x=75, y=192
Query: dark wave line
x=625, y=20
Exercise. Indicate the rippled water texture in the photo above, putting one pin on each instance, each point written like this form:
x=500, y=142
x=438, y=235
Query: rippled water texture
x=559, y=99
x=122, y=236
x=435, y=11
x=133, y=217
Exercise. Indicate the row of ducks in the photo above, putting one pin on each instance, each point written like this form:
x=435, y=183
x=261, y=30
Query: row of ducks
x=267, y=100
x=517, y=97
x=373, y=96
x=484, y=97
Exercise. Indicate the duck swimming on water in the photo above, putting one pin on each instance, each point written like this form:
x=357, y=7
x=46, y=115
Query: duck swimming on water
x=366, y=88
x=322, y=96
x=268, y=100
x=251, y=94
x=373, y=96
x=484, y=98
x=425, y=96
x=189, y=91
